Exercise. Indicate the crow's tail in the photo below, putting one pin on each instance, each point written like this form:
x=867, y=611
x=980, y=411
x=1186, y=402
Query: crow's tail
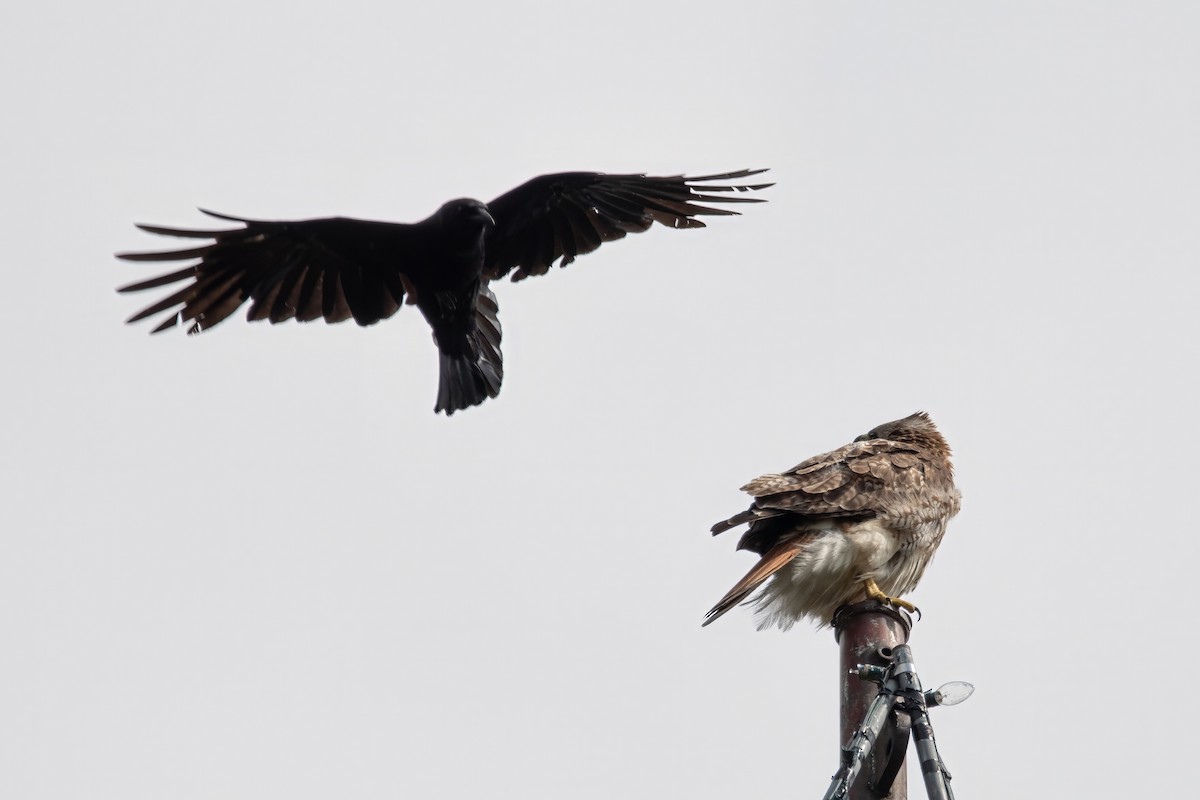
x=464, y=382
x=468, y=378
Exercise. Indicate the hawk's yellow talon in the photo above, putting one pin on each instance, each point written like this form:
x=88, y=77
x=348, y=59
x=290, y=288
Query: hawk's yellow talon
x=875, y=593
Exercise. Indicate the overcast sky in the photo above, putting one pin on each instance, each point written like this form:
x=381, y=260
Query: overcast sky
x=254, y=564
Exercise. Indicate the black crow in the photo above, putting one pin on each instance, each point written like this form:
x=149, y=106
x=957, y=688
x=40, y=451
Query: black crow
x=338, y=268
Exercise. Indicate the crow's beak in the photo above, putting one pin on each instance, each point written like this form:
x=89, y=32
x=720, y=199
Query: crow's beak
x=488, y=216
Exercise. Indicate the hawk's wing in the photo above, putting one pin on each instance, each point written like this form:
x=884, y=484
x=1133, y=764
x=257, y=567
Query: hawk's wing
x=570, y=213
x=332, y=268
x=860, y=480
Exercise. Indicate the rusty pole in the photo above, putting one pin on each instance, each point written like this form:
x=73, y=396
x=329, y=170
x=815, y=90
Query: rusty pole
x=866, y=633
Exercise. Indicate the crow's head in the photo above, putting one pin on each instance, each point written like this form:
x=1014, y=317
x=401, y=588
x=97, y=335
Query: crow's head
x=465, y=217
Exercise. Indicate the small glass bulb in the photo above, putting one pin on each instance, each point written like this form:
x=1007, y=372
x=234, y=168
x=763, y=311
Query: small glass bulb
x=952, y=693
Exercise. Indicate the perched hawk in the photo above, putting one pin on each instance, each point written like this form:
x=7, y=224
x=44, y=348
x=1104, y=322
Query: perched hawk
x=861, y=521
x=337, y=269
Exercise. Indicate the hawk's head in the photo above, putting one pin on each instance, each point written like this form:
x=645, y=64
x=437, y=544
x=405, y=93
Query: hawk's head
x=917, y=429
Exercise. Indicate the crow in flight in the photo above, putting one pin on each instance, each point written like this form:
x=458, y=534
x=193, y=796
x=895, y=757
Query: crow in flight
x=338, y=268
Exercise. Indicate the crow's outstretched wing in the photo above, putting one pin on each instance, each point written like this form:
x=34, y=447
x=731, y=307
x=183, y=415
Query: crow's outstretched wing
x=335, y=269
x=570, y=213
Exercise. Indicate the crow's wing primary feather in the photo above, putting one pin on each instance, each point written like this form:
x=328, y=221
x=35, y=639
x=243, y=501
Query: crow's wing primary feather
x=570, y=213
x=335, y=269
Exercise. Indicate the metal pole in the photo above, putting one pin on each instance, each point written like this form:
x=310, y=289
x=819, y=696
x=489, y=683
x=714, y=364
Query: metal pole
x=867, y=632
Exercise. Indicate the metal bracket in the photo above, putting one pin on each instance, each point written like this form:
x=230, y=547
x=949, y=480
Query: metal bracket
x=845, y=613
x=888, y=756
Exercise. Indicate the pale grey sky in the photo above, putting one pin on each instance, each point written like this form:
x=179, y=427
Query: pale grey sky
x=255, y=564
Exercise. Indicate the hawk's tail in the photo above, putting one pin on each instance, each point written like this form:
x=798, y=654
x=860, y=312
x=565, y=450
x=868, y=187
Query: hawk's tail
x=774, y=560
